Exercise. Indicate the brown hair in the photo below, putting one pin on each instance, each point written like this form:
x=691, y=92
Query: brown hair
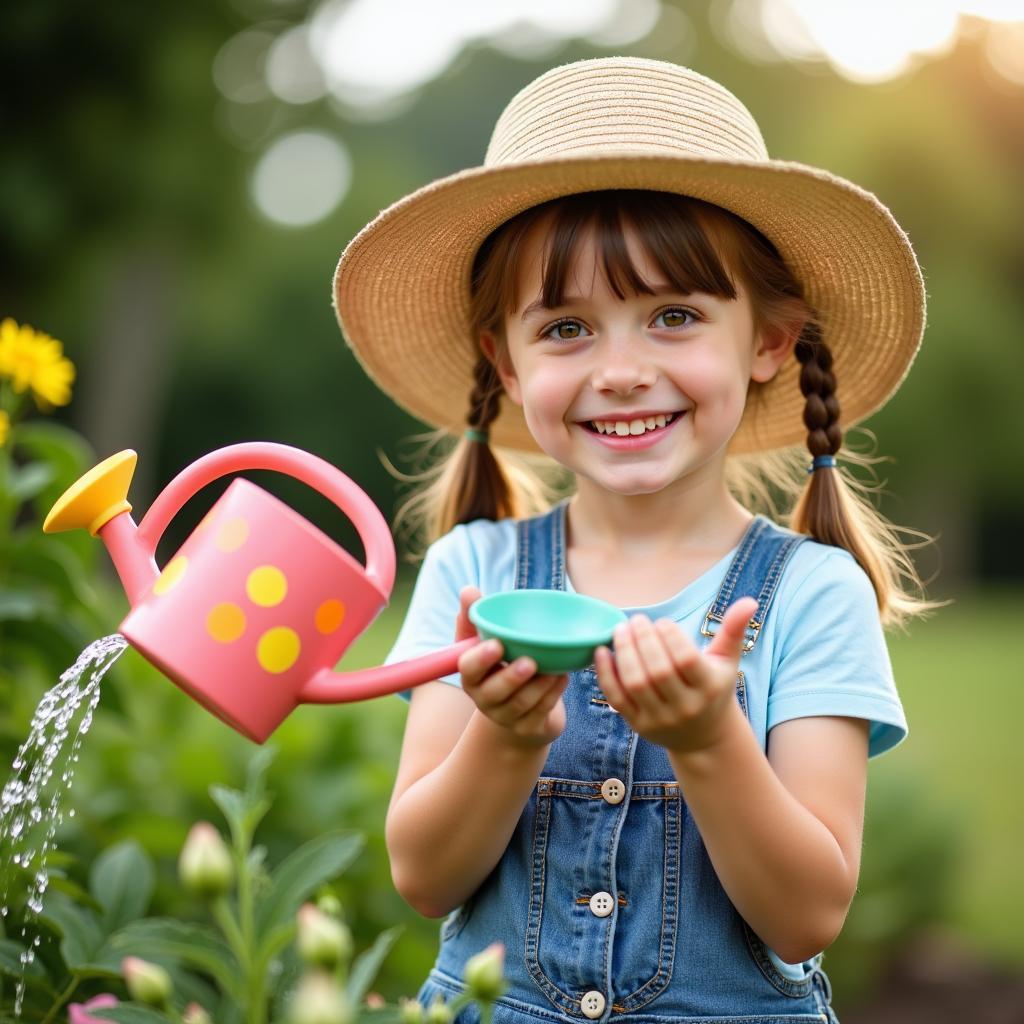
x=680, y=234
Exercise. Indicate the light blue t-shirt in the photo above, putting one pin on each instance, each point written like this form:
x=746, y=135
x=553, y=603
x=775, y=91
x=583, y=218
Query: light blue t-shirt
x=821, y=652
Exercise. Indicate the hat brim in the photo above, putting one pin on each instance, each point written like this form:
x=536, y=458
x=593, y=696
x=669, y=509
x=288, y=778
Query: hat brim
x=402, y=298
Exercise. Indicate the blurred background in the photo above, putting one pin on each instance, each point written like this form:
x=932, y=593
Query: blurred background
x=177, y=182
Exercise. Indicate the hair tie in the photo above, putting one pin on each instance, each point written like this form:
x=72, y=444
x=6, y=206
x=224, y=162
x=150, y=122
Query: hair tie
x=477, y=435
x=822, y=462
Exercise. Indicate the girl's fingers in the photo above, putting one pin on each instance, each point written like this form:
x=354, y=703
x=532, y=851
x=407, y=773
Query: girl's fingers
x=728, y=640
x=654, y=658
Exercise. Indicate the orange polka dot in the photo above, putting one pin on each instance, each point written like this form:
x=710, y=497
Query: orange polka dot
x=329, y=616
x=226, y=622
x=232, y=534
x=173, y=572
x=266, y=586
x=278, y=649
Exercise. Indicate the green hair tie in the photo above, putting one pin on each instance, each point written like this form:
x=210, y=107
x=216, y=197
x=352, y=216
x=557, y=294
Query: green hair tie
x=477, y=435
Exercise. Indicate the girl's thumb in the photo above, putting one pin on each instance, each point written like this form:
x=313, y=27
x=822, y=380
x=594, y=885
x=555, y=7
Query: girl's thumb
x=463, y=627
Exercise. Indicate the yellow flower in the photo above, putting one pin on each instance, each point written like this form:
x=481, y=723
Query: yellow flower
x=35, y=360
x=5, y=427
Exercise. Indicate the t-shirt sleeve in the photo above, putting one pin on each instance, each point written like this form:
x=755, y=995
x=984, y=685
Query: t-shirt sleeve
x=429, y=624
x=832, y=658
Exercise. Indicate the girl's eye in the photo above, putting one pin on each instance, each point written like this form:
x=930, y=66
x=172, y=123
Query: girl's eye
x=676, y=316
x=567, y=330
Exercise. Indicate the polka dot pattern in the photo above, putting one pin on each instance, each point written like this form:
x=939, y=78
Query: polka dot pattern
x=266, y=586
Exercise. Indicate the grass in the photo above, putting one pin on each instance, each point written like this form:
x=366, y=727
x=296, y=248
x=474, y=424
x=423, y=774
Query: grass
x=960, y=682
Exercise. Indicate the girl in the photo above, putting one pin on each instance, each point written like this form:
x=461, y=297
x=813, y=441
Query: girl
x=630, y=286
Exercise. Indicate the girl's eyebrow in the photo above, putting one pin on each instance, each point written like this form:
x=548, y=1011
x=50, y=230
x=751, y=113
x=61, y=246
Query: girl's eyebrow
x=573, y=300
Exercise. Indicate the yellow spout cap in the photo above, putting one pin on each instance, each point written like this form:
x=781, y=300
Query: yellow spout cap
x=95, y=499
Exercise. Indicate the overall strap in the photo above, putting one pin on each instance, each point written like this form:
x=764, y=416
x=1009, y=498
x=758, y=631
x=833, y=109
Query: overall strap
x=540, y=550
x=755, y=571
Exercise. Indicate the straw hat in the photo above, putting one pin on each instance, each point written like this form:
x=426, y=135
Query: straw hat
x=401, y=289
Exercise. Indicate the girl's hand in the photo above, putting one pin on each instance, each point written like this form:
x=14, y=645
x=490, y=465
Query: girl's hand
x=670, y=692
x=526, y=705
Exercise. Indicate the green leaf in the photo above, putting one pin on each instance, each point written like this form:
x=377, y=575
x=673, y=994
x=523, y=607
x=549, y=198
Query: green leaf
x=299, y=874
x=192, y=944
x=27, y=481
x=18, y=604
x=368, y=963
x=81, y=934
x=131, y=1013
x=242, y=814
x=122, y=880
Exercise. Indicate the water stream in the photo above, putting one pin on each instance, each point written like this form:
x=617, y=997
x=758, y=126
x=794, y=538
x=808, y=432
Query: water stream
x=27, y=809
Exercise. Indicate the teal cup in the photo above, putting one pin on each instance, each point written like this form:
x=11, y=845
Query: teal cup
x=559, y=630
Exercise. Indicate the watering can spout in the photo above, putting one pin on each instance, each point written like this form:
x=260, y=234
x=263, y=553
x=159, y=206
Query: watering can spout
x=98, y=502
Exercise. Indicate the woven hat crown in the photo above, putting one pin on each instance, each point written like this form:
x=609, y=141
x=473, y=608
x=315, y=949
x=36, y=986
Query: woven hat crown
x=633, y=106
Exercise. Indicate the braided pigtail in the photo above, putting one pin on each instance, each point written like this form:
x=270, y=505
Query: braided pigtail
x=830, y=509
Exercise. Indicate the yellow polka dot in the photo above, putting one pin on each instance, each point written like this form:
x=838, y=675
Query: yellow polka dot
x=278, y=649
x=174, y=570
x=226, y=622
x=266, y=586
x=232, y=534
x=329, y=616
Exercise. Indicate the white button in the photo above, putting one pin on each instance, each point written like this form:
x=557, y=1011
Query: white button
x=613, y=790
x=602, y=904
x=592, y=1004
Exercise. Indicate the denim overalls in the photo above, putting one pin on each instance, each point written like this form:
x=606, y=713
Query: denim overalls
x=605, y=898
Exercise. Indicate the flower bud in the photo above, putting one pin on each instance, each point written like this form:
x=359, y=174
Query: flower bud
x=438, y=1011
x=329, y=904
x=374, y=1000
x=205, y=865
x=147, y=983
x=319, y=999
x=411, y=1010
x=323, y=941
x=78, y=1012
x=195, y=1014
x=484, y=973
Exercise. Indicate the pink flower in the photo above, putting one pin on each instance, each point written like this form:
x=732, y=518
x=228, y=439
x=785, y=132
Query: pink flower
x=77, y=1014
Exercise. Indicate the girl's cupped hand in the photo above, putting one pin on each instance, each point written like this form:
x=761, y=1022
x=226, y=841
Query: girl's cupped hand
x=668, y=690
x=525, y=704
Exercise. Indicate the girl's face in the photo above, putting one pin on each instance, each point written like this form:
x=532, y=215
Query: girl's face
x=602, y=358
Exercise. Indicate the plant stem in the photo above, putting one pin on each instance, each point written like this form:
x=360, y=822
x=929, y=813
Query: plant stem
x=61, y=1000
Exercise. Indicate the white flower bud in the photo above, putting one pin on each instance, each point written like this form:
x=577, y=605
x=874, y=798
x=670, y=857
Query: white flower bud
x=323, y=941
x=205, y=865
x=438, y=1011
x=147, y=983
x=319, y=999
x=411, y=1010
x=195, y=1014
x=484, y=973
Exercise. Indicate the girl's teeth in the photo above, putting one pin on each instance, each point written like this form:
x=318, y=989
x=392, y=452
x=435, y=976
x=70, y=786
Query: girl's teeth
x=624, y=428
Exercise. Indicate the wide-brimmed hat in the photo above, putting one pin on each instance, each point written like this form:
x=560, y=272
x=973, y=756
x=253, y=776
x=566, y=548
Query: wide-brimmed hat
x=402, y=286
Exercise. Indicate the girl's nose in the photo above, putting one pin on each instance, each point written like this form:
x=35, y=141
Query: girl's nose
x=623, y=367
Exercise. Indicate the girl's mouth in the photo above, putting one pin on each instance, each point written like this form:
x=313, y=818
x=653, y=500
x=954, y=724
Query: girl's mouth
x=630, y=442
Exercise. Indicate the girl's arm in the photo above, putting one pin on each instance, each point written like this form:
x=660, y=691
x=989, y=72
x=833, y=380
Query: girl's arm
x=783, y=831
x=462, y=786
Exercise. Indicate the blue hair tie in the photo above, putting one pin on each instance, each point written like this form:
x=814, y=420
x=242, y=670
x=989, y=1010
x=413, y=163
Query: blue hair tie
x=822, y=462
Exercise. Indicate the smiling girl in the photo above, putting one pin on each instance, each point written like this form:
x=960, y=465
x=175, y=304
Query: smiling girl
x=630, y=286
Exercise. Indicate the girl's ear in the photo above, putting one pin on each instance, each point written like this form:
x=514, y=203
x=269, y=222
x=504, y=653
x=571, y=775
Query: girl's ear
x=498, y=355
x=773, y=346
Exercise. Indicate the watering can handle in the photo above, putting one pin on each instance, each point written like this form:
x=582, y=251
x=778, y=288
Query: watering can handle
x=316, y=472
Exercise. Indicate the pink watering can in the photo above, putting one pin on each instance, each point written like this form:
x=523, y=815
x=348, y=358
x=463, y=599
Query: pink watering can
x=255, y=609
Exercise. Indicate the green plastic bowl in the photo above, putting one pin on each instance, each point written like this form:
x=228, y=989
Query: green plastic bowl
x=559, y=630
